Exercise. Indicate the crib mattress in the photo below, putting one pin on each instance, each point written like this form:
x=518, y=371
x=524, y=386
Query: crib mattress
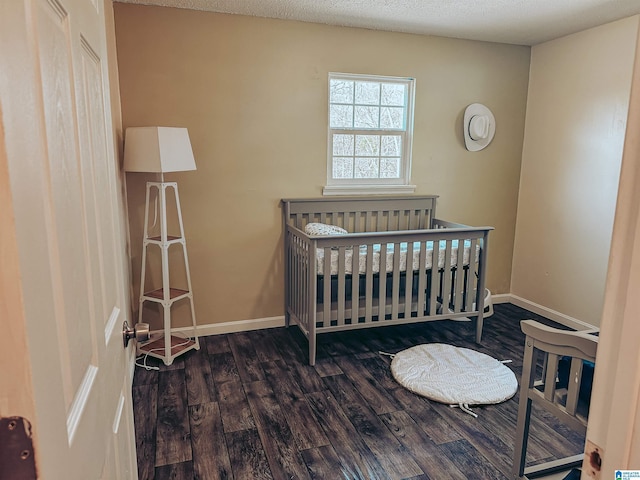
x=377, y=261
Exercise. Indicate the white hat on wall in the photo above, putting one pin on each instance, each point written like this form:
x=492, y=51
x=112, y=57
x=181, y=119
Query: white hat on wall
x=479, y=127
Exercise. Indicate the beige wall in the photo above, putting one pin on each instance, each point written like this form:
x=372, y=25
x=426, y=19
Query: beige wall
x=579, y=89
x=253, y=94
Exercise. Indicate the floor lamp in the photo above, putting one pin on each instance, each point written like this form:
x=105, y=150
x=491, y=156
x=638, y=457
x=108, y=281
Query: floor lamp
x=162, y=150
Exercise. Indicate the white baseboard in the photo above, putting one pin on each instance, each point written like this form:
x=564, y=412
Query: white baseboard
x=273, y=322
x=561, y=318
x=500, y=298
x=234, y=327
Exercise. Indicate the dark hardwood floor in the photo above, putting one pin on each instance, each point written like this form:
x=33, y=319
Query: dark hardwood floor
x=248, y=406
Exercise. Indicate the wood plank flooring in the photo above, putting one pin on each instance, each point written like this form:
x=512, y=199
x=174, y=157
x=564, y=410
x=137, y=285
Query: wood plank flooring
x=248, y=406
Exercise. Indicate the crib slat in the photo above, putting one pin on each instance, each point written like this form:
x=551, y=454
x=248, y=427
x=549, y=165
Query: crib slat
x=356, y=221
x=295, y=269
x=382, y=283
x=355, y=284
x=459, y=277
x=299, y=270
x=395, y=285
x=290, y=269
x=434, y=275
x=308, y=296
x=310, y=302
x=326, y=295
x=368, y=227
x=550, y=377
x=446, y=277
x=301, y=300
x=423, y=282
x=292, y=265
x=341, y=285
x=369, y=286
x=575, y=377
x=471, y=289
x=408, y=286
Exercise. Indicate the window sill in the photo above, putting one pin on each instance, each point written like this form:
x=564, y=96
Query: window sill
x=368, y=189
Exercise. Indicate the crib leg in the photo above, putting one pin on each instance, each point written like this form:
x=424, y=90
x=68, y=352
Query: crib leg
x=312, y=350
x=479, y=324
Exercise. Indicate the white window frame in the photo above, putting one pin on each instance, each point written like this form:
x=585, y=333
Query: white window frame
x=336, y=186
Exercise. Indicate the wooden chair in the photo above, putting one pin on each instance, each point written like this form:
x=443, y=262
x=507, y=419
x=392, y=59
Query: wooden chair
x=547, y=392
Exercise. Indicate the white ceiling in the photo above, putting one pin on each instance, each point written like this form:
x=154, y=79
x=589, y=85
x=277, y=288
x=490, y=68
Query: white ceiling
x=523, y=22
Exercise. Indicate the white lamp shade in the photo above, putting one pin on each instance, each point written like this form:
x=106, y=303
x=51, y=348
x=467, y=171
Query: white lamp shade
x=158, y=149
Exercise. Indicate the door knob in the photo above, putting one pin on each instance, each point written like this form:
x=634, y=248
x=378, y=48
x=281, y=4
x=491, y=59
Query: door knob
x=139, y=332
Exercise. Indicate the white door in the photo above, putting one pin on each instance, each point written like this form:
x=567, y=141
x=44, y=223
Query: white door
x=72, y=269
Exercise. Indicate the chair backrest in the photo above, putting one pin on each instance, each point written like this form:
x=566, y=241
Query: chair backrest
x=561, y=349
x=566, y=356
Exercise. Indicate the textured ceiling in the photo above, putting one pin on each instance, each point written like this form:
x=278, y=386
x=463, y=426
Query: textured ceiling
x=523, y=22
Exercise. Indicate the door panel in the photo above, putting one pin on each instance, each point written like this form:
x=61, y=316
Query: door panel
x=65, y=188
x=66, y=230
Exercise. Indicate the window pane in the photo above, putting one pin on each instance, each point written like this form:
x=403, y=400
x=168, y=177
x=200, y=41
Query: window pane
x=342, y=144
x=393, y=94
x=342, y=167
x=392, y=117
x=340, y=91
x=366, y=117
x=366, y=168
x=391, y=146
x=370, y=123
x=341, y=116
x=389, y=168
x=368, y=93
x=367, y=145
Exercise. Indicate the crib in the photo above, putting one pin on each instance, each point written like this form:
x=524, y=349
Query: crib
x=396, y=264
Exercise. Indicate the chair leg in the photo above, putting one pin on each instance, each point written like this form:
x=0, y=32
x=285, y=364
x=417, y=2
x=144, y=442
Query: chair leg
x=522, y=436
x=524, y=412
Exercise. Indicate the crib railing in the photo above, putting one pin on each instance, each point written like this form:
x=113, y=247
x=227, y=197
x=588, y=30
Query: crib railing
x=363, y=214
x=440, y=278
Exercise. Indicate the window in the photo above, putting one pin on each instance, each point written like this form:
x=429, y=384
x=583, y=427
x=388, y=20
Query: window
x=370, y=133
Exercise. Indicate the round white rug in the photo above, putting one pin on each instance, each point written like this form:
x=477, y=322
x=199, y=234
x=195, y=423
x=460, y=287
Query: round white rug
x=454, y=375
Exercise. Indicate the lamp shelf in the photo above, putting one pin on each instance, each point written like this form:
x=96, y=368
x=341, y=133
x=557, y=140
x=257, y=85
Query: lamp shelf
x=157, y=295
x=157, y=347
x=157, y=240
